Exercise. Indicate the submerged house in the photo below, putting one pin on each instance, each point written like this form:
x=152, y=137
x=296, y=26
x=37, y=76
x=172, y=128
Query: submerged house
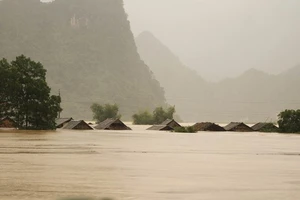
x=207, y=126
x=171, y=123
x=265, y=127
x=60, y=122
x=167, y=125
x=7, y=122
x=77, y=125
x=160, y=128
x=238, y=127
x=112, y=124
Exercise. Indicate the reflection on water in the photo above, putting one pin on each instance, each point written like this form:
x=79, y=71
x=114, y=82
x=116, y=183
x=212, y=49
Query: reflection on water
x=148, y=165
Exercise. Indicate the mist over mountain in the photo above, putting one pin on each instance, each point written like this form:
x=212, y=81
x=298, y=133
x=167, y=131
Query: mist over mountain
x=91, y=56
x=252, y=96
x=223, y=38
x=183, y=86
x=87, y=48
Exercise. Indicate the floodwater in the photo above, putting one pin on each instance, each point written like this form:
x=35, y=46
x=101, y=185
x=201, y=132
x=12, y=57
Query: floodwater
x=147, y=165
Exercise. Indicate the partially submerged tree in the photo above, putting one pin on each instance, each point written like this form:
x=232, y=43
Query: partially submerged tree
x=143, y=117
x=188, y=129
x=289, y=121
x=103, y=112
x=25, y=95
x=158, y=116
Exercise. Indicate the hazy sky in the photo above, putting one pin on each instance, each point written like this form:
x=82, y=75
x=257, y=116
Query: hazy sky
x=223, y=38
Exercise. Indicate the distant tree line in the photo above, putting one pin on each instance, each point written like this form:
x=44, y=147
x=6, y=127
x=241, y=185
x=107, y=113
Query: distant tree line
x=25, y=96
x=159, y=115
x=288, y=120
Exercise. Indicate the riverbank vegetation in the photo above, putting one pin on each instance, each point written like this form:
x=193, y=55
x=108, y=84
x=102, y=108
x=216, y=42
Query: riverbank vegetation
x=25, y=95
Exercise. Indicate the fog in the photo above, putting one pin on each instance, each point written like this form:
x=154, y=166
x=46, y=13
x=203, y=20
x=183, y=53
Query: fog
x=191, y=47
x=83, y=60
x=223, y=38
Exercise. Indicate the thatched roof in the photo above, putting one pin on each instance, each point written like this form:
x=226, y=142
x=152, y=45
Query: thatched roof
x=60, y=122
x=112, y=124
x=77, y=125
x=207, y=126
x=171, y=122
x=160, y=128
x=267, y=126
x=238, y=126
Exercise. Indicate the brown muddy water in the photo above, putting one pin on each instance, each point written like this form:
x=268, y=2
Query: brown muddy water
x=149, y=165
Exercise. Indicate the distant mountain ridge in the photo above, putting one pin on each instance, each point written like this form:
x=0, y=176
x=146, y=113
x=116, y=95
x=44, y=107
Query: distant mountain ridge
x=252, y=96
x=88, y=50
x=182, y=85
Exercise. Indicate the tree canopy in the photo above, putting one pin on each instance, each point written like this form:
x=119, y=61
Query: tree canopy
x=103, y=112
x=289, y=121
x=143, y=117
x=158, y=116
x=25, y=94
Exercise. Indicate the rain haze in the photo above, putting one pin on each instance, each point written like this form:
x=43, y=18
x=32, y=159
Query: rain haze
x=223, y=38
x=211, y=51
x=149, y=99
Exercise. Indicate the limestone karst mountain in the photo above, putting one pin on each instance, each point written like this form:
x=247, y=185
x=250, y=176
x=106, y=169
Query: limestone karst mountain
x=87, y=48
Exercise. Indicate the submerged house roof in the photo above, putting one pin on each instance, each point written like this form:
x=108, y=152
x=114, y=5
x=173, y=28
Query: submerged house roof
x=238, y=127
x=7, y=122
x=60, y=122
x=207, y=126
x=171, y=123
x=77, y=125
x=265, y=127
x=160, y=128
x=112, y=124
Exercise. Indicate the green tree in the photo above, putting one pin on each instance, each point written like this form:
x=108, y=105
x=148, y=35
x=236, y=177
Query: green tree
x=289, y=121
x=101, y=113
x=5, y=75
x=143, y=117
x=27, y=96
x=160, y=114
